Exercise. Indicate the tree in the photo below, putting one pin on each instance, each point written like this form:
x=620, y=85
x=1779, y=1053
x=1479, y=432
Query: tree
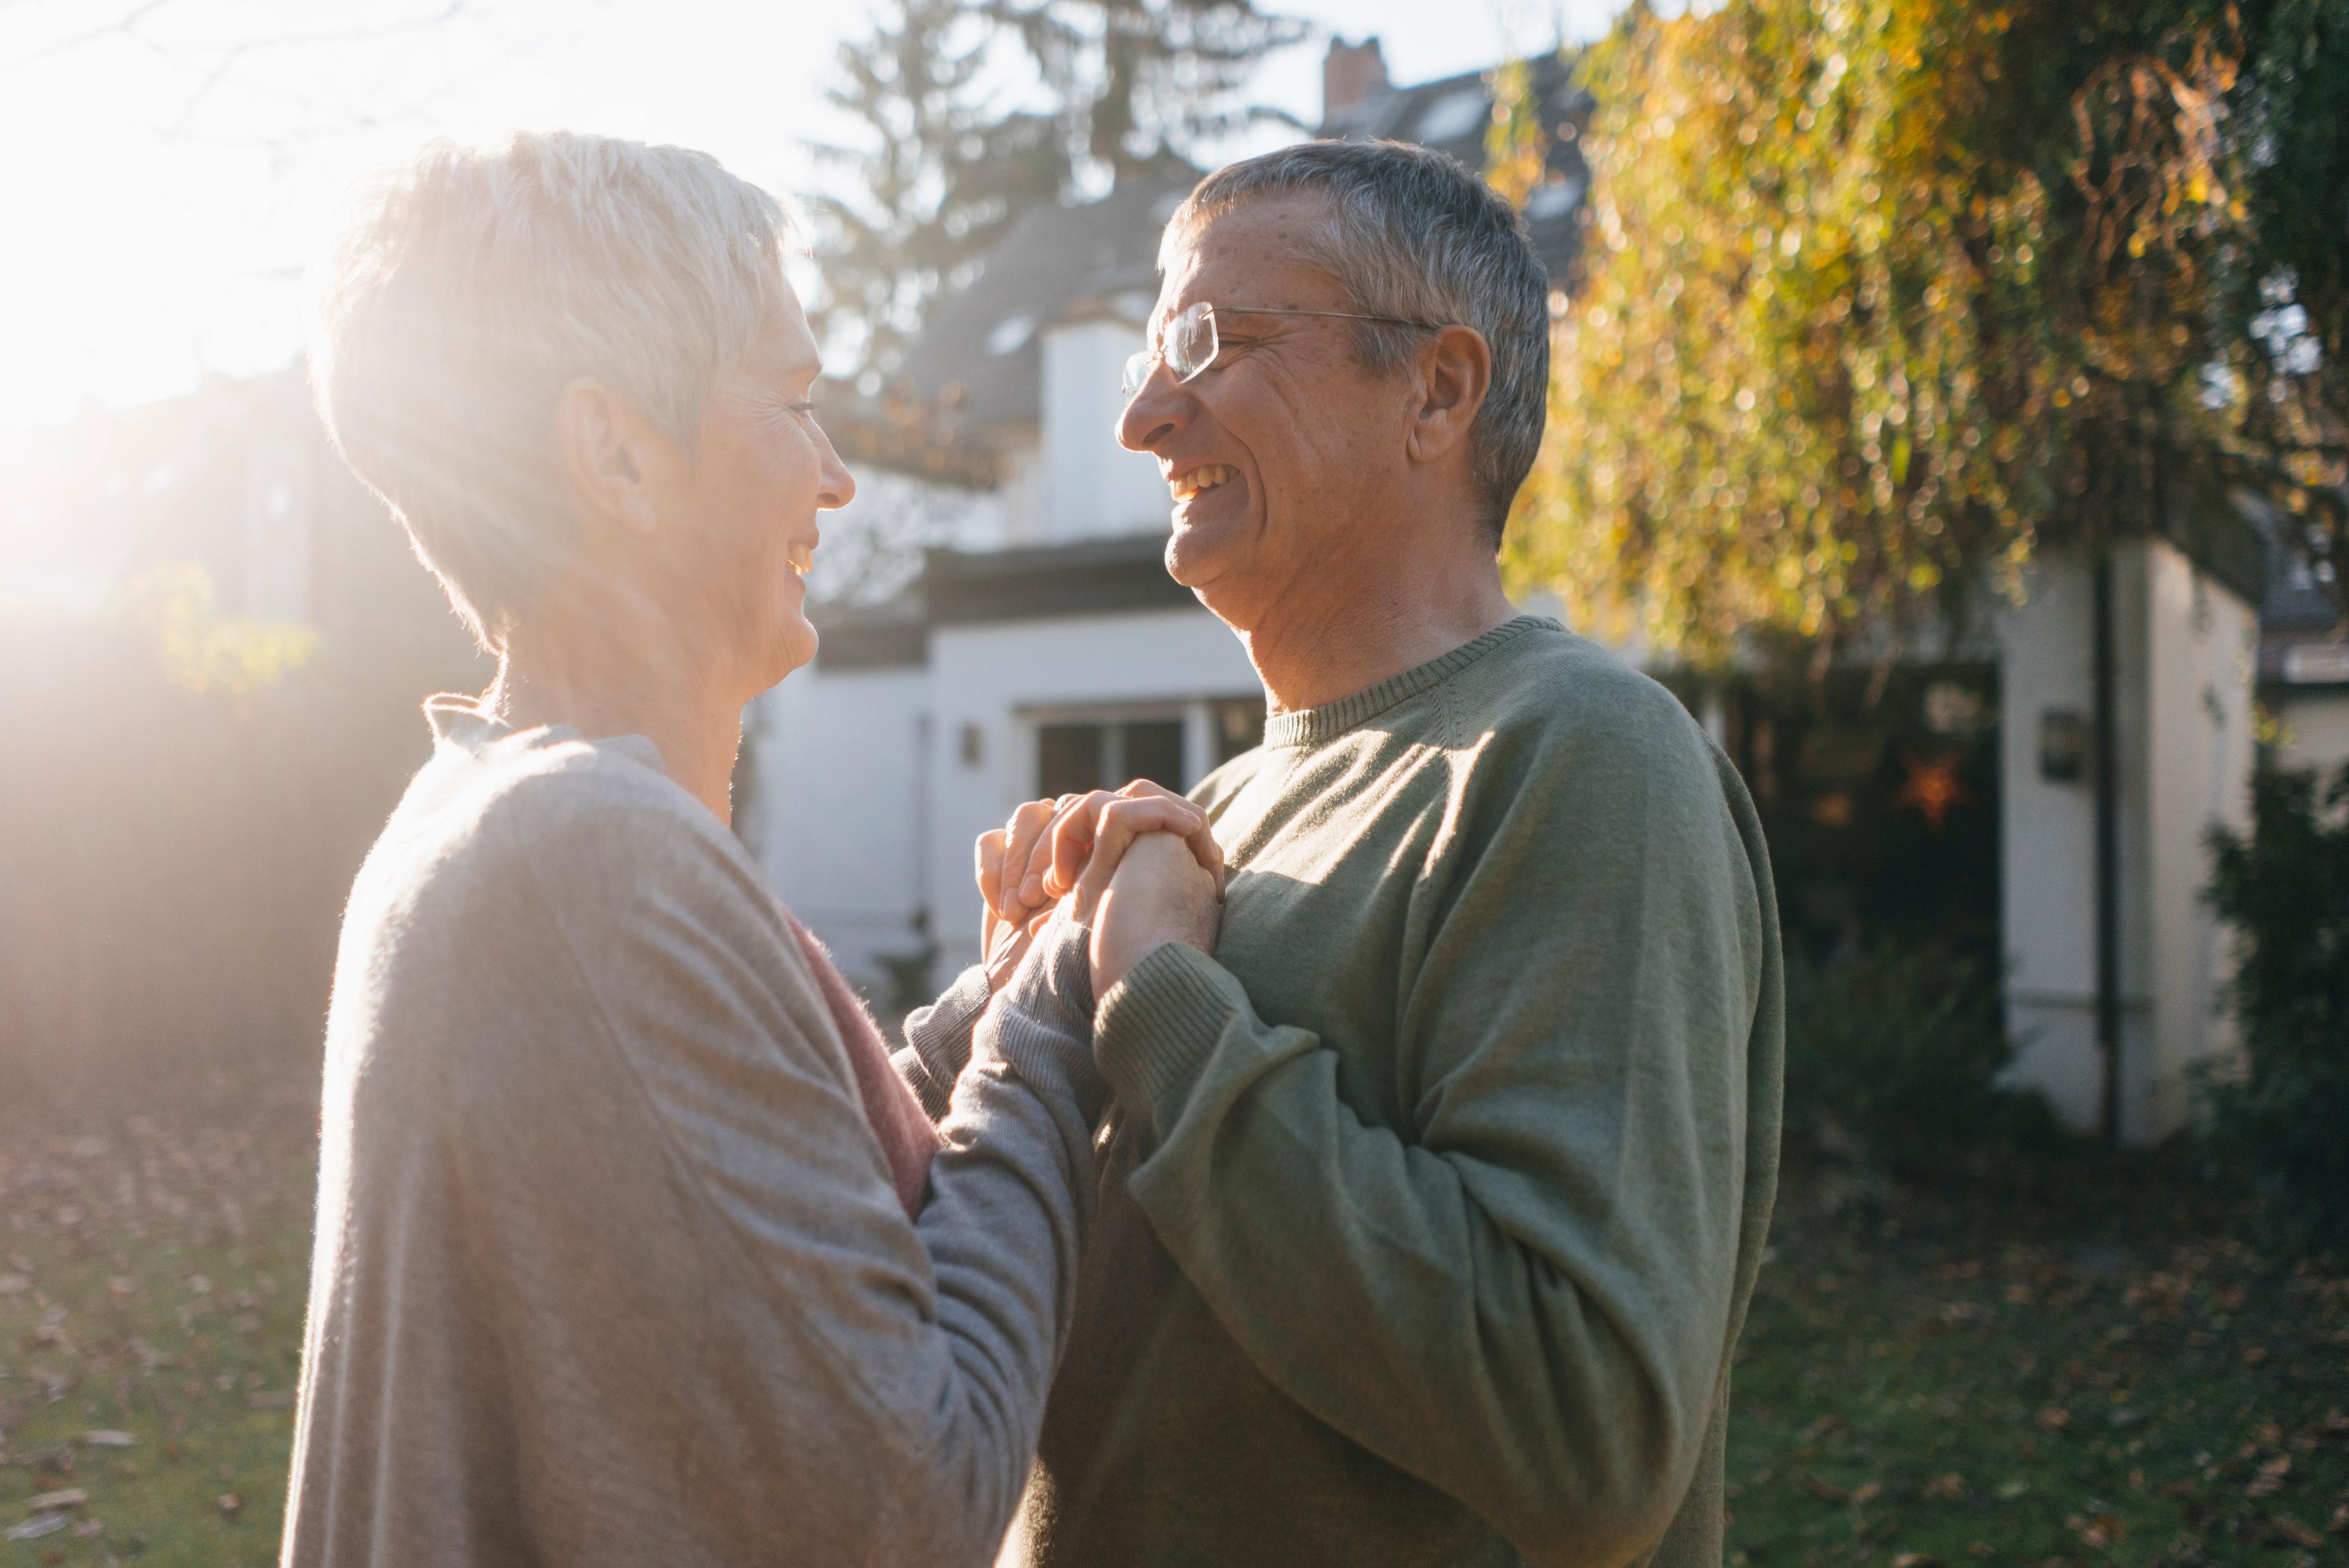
x=1138, y=82
x=972, y=111
x=1882, y=295
x=2289, y=307
x=938, y=178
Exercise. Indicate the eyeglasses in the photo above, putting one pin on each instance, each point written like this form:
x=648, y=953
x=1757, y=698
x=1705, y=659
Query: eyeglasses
x=1189, y=344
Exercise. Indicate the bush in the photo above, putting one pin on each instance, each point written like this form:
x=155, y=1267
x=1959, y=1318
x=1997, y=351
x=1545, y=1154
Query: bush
x=1902, y=1048
x=2285, y=890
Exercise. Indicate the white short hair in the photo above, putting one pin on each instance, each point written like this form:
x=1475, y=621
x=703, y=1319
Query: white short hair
x=474, y=284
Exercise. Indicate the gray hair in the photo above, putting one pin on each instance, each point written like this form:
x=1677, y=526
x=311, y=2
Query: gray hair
x=474, y=284
x=1413, y=233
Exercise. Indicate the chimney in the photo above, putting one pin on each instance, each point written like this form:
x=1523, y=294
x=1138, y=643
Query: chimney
x=1353, y=77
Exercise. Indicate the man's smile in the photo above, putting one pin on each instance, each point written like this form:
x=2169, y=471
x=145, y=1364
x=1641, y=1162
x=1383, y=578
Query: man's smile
x=1205, y=476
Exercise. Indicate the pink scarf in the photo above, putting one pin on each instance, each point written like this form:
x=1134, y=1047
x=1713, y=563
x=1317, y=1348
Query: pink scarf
x=906, y=1136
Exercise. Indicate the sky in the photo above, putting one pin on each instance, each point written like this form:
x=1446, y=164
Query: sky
x=174, y=164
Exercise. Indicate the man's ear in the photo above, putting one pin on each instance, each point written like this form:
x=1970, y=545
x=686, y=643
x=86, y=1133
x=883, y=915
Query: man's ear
x=603, y=450
x=1455, y=371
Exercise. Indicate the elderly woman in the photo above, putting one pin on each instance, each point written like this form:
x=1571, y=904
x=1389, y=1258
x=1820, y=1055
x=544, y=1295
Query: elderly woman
x=631, y=1247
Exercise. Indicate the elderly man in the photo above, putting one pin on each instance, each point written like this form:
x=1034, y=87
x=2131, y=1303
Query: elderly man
x=631, y=1249
x=1436, y=1185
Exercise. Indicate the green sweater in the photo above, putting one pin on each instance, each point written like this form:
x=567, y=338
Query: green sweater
x=1430, y=1213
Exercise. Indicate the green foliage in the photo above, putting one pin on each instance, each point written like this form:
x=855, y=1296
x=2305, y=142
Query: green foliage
x=970, y=111
x=1881, y=295
x=201, y=651
x=2287, y=303
x=2284, y=887
x=1901, y=1049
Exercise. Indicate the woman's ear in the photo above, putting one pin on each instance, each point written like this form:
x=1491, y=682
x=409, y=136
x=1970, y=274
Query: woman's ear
x=605, y=453
x=1455, y=371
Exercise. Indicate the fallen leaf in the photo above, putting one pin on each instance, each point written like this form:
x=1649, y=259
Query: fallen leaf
x=90, y=1526
x=1918, y=1560
x=39, y=1525
x=43, y=1502
x=2293, y=1531
x=1868, y=1493
x=2096, y=1533
x=109, y=1439
x=229, y=1503
x=2270, y=1477
x=13, y=1284
x=2054, y=1419
x=1947, y=1488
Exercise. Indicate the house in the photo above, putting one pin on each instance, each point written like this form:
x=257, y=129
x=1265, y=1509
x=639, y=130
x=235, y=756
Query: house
x=2035, y=792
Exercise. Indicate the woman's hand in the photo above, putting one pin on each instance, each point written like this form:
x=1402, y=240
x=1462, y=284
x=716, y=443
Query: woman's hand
x=1007, y=921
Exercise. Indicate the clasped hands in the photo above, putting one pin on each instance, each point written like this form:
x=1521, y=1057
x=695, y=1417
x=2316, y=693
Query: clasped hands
x=1138, y=868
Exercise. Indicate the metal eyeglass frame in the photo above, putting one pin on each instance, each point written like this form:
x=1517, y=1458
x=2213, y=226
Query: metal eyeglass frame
x=1203, y=314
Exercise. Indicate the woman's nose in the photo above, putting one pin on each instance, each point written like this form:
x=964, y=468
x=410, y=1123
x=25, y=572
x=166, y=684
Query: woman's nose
x=836, y=487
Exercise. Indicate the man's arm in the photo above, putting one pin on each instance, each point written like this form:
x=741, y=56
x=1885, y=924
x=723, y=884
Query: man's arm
x=1525, y=1303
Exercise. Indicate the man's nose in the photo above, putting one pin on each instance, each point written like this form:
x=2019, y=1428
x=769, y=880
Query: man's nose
x=1159, y=407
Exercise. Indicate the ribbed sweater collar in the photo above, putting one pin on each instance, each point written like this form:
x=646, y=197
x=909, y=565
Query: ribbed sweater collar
x=1313, y=726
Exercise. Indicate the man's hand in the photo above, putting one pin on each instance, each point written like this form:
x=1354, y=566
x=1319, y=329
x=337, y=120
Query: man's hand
x=1142, y=888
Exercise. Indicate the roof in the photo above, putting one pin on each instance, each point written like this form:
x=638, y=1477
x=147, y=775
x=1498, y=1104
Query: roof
x=2301, y=620
x=1452, y=115
x=977, y=365
x=979, y=356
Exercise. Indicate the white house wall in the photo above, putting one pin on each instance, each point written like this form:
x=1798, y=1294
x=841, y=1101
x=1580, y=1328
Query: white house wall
x=2203, y=654
x=2047, y=842
x=2183, y=684
x=839, y=825
x=2315, y=722
x=1092, y=486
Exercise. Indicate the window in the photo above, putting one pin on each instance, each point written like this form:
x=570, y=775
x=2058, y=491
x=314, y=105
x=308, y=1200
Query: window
x=1170, y=743
x=1073, y=758
x=1238, y=727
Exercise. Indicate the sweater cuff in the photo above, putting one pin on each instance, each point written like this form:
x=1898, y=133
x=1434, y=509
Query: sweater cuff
x=1158, y=1026
x=940, y=1036
x=1040, y=1026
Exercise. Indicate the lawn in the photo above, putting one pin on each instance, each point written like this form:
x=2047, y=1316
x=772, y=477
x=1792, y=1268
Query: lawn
x=2080, y=1361
x=1981, y=1374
